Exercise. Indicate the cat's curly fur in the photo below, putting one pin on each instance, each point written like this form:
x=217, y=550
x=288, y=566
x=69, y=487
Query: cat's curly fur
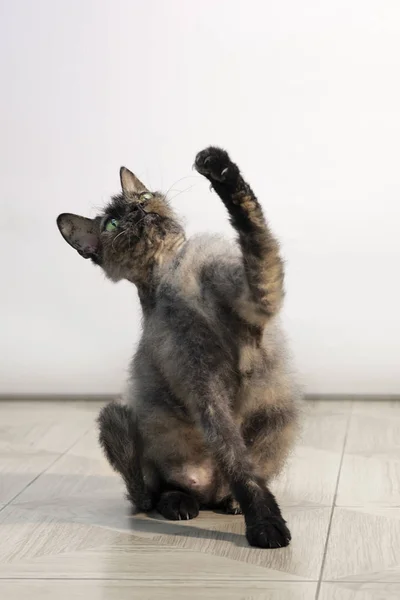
x=212, y=408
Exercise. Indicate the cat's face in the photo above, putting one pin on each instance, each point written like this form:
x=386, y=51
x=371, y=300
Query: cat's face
x=135, y=231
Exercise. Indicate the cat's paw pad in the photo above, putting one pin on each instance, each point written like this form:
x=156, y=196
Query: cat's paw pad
x=178, y=506
x=215, y=164
x=268, y=533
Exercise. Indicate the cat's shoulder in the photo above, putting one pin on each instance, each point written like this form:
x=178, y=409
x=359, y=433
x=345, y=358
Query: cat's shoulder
x=204, y=249
x=206, y=257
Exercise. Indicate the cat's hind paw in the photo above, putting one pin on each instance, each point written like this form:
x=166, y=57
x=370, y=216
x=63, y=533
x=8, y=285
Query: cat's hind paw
x=178, y=506
x=230, y=506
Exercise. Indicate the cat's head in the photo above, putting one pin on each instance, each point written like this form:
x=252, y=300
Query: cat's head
x=137, y=230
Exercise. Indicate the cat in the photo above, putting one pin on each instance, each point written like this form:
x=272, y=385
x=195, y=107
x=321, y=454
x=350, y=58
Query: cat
x=213, y=408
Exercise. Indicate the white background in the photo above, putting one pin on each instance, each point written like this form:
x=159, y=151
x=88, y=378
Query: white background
x=304, y=95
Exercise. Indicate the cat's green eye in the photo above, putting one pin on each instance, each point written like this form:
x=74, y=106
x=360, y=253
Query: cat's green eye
x=146, y=196
x=111, y=224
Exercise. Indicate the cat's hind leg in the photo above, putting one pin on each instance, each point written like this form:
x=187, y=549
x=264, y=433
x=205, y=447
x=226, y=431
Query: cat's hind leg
x=230, y=506
x=121, y=443
x=186, y=476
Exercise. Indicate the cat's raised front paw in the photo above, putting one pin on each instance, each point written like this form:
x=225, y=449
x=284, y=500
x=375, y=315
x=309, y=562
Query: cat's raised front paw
x=215, y=164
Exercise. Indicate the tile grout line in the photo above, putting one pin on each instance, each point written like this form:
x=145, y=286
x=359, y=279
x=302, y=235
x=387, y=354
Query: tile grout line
x=158, y=579
x=325, y=551
x=46, y=469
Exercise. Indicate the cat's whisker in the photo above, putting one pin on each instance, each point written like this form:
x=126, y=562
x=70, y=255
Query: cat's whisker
x=179, y=180
x=97, y=207
x=142, y=219
x=181, y=192
x=117, y=236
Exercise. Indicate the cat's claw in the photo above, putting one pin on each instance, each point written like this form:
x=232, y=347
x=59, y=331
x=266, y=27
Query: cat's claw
x=224, y=172
x=231, y=507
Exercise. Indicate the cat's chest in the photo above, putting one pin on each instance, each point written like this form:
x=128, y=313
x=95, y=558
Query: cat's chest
x=185, y=293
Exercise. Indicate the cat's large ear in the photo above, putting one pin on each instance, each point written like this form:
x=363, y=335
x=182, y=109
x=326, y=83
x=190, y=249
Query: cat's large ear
x=81, y=233
x=130, y=183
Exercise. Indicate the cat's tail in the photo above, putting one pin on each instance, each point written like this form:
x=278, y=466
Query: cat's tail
x=120, y=441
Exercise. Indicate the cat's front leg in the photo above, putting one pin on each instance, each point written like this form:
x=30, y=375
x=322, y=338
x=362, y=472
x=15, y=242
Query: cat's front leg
x=205, y=384
x=265, y=526
x=263, y=266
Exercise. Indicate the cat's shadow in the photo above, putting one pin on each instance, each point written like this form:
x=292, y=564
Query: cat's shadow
x=99, y=500
x=153, y=523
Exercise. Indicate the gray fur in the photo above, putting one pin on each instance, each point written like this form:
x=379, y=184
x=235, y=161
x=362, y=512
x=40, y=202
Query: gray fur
x=212, y=404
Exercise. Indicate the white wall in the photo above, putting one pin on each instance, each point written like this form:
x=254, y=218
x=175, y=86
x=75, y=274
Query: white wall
x=305, y=96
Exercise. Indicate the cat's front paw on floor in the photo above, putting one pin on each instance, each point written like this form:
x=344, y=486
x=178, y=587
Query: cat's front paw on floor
x=215, y=164
x=270, y=532
x=178, y=506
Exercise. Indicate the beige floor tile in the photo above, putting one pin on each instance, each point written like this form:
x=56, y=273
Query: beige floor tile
x=364, y=545
x=88, y=446
x=374, y=428
x=32, y=437
x=330, y=407
x=82, y=476
x=17, y=470
x=55, y=437
x=311, y=474
x=302, y=559
x=131, y=590
x=369, y=480
x=35, y=410
x=309, y=478
x=371, y=465
x=324, y=425
x=359, y=591
x=45, y=534
x=375, y=408
x=43, y=426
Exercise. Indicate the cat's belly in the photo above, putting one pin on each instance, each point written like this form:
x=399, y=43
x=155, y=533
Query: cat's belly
x=202, y=479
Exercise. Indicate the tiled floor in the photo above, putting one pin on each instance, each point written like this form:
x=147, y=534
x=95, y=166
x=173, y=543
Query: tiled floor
x=66, y=532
